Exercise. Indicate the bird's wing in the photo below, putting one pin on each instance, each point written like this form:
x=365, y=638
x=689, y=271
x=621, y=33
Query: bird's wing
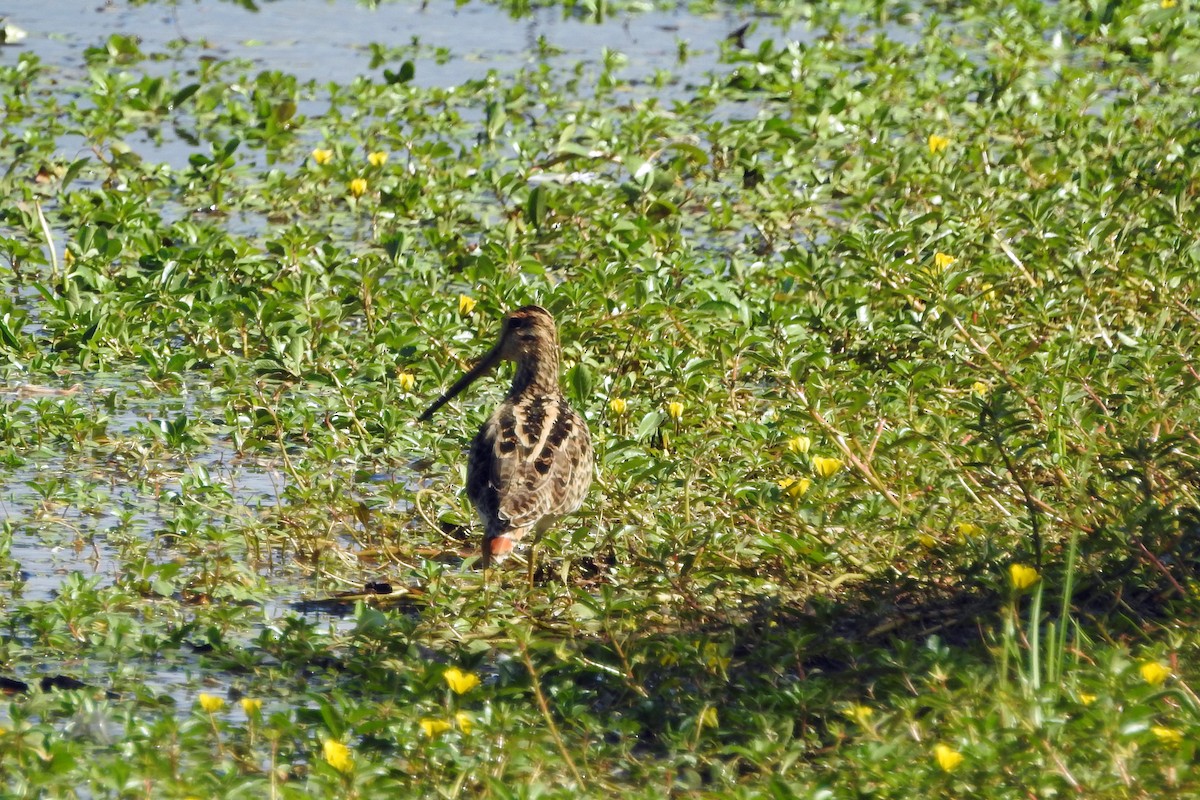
x=532, y=459
x=481, y=484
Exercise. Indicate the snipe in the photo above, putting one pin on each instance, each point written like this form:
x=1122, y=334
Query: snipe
x=531, y=462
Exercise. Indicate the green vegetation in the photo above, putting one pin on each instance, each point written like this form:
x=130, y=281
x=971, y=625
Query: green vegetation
x=887, y=342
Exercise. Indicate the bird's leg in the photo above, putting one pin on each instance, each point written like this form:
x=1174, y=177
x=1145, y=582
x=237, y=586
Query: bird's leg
x=532, y=561
x=487, y=589
x=539, y=530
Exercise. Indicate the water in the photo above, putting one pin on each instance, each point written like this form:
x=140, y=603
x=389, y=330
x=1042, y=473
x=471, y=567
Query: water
x=329, y=41
x=67, y=531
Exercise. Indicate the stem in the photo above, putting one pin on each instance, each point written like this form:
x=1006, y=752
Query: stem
x=852, y=458
x=212, y=720
x=1065, y=614
x=1035, y=640
x=37, y=206
x=1030, y=504
x=545, y=709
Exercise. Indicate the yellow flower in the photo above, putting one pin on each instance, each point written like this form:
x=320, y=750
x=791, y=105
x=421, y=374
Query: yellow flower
x=979, y=387
x=358, y=187
x=407, y=381
x=460, y=682
x=1168, y=3
x=434, y=727
x=1154, y=673
x=337, y=755
x=466, y=304
x=942, y=260
x=618, y=406
x=799, y=444
x=1022, y=576
x=251, y=706
x=1168, y=736
x=826, y=467
x=968, y=529
x=860, y=714
x=947, y=757
x=794, y=488
x=675, y=410
x=322, y=156
x=1086, y=699
x=464, y=721
x=937, y=143
x=211, y=703
x=377, y=159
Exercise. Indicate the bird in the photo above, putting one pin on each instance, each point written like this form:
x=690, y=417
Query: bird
x=532, y=461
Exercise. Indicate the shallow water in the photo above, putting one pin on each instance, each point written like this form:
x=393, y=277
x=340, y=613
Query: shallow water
x=58, y=538
x=328, y=41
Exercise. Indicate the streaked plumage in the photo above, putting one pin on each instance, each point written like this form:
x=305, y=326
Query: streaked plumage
x=531, y=462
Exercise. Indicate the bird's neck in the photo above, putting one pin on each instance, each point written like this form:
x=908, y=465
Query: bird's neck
x=537, y=373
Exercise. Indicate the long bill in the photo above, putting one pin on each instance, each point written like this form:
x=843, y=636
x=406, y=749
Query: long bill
x=485, y=364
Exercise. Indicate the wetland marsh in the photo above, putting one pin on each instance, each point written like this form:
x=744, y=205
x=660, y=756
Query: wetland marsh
x=882, y=317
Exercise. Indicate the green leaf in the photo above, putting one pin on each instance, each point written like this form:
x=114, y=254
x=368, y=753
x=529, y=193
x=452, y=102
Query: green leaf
x=535, y=206
x=582, y=381
x=405, y=74
x=650, y=424
x=72, y=172
x=183, y=94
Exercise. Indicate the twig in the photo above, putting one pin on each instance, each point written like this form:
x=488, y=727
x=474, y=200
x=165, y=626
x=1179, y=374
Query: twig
x=1013, y=258
x=859, y=464
x=1162, y=568
x=422, y=512
x=545, y=708
x=879, y=426
x=1030, y=504
x=625, y=663
x=1016, y=388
